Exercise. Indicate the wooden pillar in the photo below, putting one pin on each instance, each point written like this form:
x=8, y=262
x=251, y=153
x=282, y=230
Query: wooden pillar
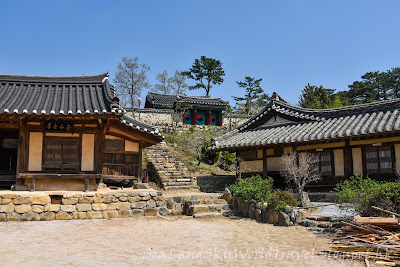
x=348, y=160
x=265, y=165
x=208, y=118
x=22, y=150
x=220, y=119
x=100, y=142
x=193, y=116
x=140, y=163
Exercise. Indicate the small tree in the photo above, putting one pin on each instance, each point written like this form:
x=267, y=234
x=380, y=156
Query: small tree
x=178, y=84
x=206, y=71
x=300, y=171
x=164, y=83
x=253, y=93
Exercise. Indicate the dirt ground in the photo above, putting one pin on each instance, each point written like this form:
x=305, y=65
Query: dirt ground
x=160, y=242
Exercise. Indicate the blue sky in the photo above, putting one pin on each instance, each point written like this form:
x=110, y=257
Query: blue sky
x=286, y=43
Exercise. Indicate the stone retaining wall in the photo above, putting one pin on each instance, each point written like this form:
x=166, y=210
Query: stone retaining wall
x=15, y=206
x=215, y=183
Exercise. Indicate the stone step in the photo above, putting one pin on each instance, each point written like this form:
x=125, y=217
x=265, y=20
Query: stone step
x=173, y=183
x=207, y=215
x=182, y=187
x=200, y=208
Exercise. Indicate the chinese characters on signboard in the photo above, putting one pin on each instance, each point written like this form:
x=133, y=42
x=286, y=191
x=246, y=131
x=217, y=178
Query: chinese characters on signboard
x=58, y=126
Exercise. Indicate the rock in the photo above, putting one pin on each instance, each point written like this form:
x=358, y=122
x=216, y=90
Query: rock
x=235, y=204
x=153, y=193
x=101, y=195
x=137, y=213
x=48, y=216
x=264, y=210
x=144, y=194
x=9, y=196
x=159, y=198
x=123, y=205
x=111, y=206
x=4, y=201
x=99, y=206
x=141, y=186
x=146, y=198
x=124, y=213
x=258, y=215
x=3, y=217
x=283, y=219
x=52, y=207
x=79, y=215
x=98, y=200
x=176, y=212
x=245, y=208
x=138, y=205
x=295, y=216
x=163, y=211
x=252, y=209
x=94, y=215
x=110, y=214
x=151, y=204
x=83, y=207
x=307, y=223
x=77, y=195
x=7, y=208
x=69, y=201
x=85, y=200
x=123, y=198
x=63, y=216
x=13, y=216
x=23, y=208
x=160, y=203
x=150, y=212
x=18, y=201
x=286, y=209
x=134, y=199
x=68, y=208
x=39, y=199
x=271, y=217
x=30, y=216
x=37, y=208
x=227, y=195
x=307, y=202
x=109, y=199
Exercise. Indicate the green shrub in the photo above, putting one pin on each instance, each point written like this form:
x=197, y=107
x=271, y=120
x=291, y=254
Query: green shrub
x=363, y=192
x=253, y=188
x=280, y=199
x=226, y=160
x=208, y=156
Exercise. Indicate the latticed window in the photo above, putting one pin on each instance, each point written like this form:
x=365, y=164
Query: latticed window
x=61, y=154
x=378, y=160
x=326, y=162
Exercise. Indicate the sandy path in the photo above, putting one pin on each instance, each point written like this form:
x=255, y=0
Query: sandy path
x=159, y=242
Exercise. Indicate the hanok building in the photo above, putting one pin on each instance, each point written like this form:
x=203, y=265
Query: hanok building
x=361, y=139
x=67, y=133
x=197, y=110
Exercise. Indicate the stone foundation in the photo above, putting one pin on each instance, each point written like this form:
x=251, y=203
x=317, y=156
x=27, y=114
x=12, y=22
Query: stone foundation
x=215, y=183
x=47, y=206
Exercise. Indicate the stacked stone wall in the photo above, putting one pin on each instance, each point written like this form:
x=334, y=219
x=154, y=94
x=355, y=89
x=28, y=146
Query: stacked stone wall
x=215, y=183
x=78, y=206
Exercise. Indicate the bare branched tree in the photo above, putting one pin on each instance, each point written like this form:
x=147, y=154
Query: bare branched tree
x=164, y=84
x=300, y=170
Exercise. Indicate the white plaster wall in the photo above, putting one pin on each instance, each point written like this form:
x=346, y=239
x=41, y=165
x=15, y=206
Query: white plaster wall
x=35, y=151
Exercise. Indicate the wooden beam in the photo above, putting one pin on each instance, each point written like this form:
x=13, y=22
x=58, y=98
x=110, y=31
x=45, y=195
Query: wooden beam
x=22, y=150
x=265, y=165
x=348, y=160
x=9, y=125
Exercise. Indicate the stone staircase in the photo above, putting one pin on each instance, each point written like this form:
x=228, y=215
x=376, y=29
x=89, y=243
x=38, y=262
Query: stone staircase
x=205, y=208
x=168, y=172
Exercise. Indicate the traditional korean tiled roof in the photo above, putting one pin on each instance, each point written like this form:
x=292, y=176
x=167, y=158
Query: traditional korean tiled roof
x=63, y=95
x=303, y=125
x=169, y=101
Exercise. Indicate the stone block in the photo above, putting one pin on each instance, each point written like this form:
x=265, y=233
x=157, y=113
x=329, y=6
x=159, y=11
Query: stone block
x=137, y=212
x=150, y=212
x=159, y=198
x=258, y=215
x=3, y=217
x=86, y=200
x=101, y=195
x=134, y=199
x=69, y=201
x=123, y=205
x=52, y=207
x=63, y=216
x=9, y=196
x=163, y=211
x=283, y=219
x=22, y=208
x=123, y=198
x=141, y=186
x=94, y=215
x=99, y=206
x=18, y=201
x=271, y=217
x=109, y=199
x=160, y=203
x=30, y=216
x=111, y=206
x=83, y=207
x=144, y=194
x=48, y=216
x=110, y=214
x=39, y=199
x=37, y=208
x=138, y=205
x=77, y=195
x=67, y=196
x=153, y=193
x=98, y=200
x=4, y=201
x=124, y=213
x=68, y=208
x=79, y=215
x=146, y=198
x=13, y=216
x=118, y=195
